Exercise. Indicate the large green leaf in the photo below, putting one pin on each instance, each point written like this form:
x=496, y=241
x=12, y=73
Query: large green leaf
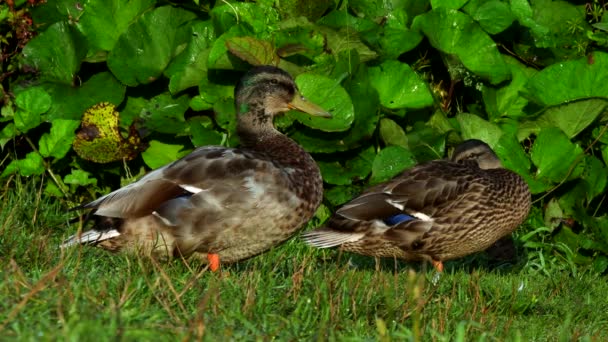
x=512, y=154
x=34, y=100
x=595, y=176
x=31, y=165
x=330, y=95
x=58, y=142
x=365, y=102
x=160, y=154
x=56, y=53
x=574, y=117
x=571, y=80
x=508, y=101
x=390, y=162
x=103, y=21
x=554, y=155
x=190, y=67
x=494, y=16
x=203, y=132
x=453, y=32
x=165, y=113
x=392, y=134
x=393, y=38
x=453, y=4
x=70, y=102
x=145, y=49
x=474, y=127
x=399, y=86
x=351, y=170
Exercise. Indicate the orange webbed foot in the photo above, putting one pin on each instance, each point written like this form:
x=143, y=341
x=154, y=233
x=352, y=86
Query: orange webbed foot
x=438, y=265
x=214, y=261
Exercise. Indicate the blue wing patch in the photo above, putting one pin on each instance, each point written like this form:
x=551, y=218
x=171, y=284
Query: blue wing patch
x=396, y=219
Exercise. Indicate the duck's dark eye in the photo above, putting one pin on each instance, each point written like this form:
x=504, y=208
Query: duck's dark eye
x=273, y=81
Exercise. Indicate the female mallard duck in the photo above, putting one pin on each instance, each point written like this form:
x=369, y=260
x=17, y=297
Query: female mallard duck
x=226, y=203
x=437, y=211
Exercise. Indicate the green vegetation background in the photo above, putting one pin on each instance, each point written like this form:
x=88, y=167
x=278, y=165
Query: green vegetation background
x=95, y=93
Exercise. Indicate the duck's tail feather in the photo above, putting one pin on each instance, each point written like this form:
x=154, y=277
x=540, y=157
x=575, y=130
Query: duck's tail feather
x=326, y=238
x=91, y=236
x=103, y=228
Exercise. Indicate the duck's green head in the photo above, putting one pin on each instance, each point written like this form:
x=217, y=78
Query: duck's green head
x=478, y=151
x=270, y=90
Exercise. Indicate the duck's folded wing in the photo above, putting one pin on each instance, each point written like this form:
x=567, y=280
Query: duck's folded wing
x=417, y=192
x=161, y=189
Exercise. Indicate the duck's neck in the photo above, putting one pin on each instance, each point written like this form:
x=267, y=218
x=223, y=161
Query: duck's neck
x=257, y=133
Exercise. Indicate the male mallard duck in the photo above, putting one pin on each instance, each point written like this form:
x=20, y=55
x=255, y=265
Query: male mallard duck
x=226, y=203
x=436, y=211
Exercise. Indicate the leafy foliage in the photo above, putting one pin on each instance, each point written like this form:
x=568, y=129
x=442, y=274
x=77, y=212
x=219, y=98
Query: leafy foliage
x=404, y=79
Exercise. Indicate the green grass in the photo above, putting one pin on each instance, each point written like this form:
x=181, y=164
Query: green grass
x=292, y=292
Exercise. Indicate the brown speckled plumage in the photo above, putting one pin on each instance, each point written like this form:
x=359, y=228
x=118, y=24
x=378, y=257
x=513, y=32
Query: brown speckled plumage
x=232, y=202
x=454, y=208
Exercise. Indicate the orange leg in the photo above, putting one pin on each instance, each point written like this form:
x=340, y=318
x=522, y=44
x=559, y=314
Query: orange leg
x=214, y=261
x=438, y=265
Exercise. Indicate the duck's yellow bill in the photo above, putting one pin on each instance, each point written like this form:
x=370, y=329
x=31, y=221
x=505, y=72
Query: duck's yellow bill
x=300, y=103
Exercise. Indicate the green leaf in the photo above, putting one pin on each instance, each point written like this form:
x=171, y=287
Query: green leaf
x=225, y=117
x=189, y=68
x=7, y=133
x=554, y=155
x=31, y=165
x=392, y=134
x=571, y=80
x=512, y=154
x=103, y=21
x=524, y=14
x=455, y=33
x=56, y=53
x=474, y=127
x=252, y=50
x=70, y=102
x=341, y=194
x=508, y=100
x=219, y=57
x=393, y=38
x=399, y=86
x=373, y=9
x=574, y=117
x=330, y=95
x=556, y=25
x=25, y=120
x=595, y=176
x=390, y=162
x=160, y=154
x=453, y=4
x=309, y=9
x=165, y=113
x=203, y=132
x=261, y=18
x=425, y=142
x=494, y=16
x=50, y=12
x=34, y=100
x=143, y=51
x=59, y=141
x=80, y=178
x=338, y=19
x=354, y=169
x=365, y=102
